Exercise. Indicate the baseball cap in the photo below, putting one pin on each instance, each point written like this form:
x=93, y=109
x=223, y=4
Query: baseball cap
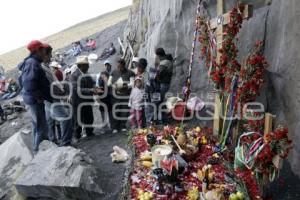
x=107, y=62
x=35, y=45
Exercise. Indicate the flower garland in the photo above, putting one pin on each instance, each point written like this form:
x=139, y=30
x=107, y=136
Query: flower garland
x=229, y=65
x=248, y=178
x=223, y=72
x=251, y=76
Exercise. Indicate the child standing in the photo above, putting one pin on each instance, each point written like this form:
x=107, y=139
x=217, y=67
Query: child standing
x=136, y=104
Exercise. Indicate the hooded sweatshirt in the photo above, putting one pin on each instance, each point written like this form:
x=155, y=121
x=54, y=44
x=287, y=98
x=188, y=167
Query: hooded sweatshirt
x=35, y=85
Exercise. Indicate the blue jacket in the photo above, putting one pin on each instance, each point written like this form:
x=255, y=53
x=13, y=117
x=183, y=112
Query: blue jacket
x=33, y=80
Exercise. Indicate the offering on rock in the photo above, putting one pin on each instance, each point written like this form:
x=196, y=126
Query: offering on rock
x=176, y=177
x=160, y=152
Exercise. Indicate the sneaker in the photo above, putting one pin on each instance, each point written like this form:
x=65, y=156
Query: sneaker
x=123, y=129
x=115, y=131
x=84, y=135
x=75, y=141
x=90, y=135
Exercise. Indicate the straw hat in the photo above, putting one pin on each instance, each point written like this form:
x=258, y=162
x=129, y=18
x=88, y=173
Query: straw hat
x=55, y=65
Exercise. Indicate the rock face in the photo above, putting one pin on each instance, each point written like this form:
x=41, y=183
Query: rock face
x=283, y=54
x=15, y=155
x=170, y=24
x=59, y=173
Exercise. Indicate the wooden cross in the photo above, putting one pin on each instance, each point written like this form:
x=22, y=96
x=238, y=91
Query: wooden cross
x=218, y=23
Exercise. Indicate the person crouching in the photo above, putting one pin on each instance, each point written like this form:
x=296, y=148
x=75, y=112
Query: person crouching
x=136, y=104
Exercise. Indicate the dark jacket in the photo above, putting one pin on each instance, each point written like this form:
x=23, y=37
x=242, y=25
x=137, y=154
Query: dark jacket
x=35, y=85
x=86, y=87
x=126, y=76
x=60, y=91
x=108, y=97
x=165, y=71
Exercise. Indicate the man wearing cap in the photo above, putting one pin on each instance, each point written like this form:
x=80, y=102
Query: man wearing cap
x=107, y=66
x=134, y=64
x=56, y=70
x=83, y=93
x=35, y=89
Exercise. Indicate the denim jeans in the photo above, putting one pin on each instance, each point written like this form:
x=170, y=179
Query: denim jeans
x=149, y=113
x=62, y=114
x=8, y=96
x=39, y=124
x=50, y=122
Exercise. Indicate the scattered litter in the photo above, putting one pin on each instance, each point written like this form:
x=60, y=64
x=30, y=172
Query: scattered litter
x=14, y=124
x=119, y=155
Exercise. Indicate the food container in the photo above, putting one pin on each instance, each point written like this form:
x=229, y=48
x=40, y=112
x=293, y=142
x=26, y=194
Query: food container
x=160, y=152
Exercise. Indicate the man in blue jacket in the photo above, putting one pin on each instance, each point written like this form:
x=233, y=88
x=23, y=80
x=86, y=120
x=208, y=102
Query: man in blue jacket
x=35, y=89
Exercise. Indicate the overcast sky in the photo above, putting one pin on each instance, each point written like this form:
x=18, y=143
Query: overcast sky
x=24, y=20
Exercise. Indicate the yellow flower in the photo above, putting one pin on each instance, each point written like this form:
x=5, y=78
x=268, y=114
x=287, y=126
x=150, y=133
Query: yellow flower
x=193, y=193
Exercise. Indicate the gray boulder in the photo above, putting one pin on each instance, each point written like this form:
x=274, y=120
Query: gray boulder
x=15, y=154
x=61, y=173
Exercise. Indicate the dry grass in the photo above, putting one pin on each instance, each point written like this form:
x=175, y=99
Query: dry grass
x=11, y=59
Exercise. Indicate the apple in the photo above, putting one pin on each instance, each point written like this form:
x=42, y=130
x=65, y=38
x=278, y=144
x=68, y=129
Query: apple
x=240, y=195
x=233, y=197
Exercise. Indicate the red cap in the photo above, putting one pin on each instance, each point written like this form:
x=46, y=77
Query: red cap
x=35, y=45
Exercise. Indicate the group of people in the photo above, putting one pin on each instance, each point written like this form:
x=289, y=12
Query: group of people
x=9, y=88
x=61, y=105
x=76, y=49
x=90, y=45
